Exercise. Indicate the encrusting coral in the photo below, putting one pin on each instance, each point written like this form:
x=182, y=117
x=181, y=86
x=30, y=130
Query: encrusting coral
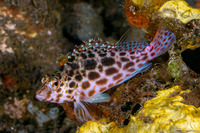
x=164, y=113
x=16, y=109
x=145, y=13
x=177, y=15
x=180, y=10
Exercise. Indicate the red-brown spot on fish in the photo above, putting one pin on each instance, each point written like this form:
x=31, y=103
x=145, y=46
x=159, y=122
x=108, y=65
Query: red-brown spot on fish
x=48, y=95
x=107, y=61
x=102, y=89
x=122, y=53
x=152, y=54
x=100, y=67
x=111, y=71
x=59, y=90
x=144, y=58
x=93, y=75
x=85, y=85
x=52, y=99
x=62, y=84
x=69, y=91
x=91, y=93
x=119, y=64
x=131, y=69
x=72, y=84
x=127, y=65
x=90, y=64
x=117, y=76
x=132, y=57
x=151, y=49
x=140, y=65
x=68, y=96
x=59, y=95
x=138, y=60
x=133, y=52
x=82, y=94
x=119, y=81
x=57, y=100
x=124, y=59
x=110, y=85
x=102, y=81
x=78, y=77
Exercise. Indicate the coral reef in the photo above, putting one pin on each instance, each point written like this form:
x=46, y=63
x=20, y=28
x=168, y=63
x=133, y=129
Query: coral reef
x=41, y=118
x=180, y=10
x=177, y=68
x=142, y=14
x=177, y=15
x=16, y=110
x=29, y=36
x=145, y=13
x=33, y=35
x=81, y=22
x=171, y=70
x=164, y=113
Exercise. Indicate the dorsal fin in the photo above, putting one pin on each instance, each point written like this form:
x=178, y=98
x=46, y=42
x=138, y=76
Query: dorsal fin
x=85, y=46
x=124, y=37
x=133, y=46
x=125, y=43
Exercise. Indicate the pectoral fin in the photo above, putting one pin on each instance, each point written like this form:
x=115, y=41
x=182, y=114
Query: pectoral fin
x=103, y=97
x=81, y=111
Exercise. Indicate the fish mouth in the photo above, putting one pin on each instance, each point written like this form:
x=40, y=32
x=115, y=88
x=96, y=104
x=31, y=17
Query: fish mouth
x=41, y=94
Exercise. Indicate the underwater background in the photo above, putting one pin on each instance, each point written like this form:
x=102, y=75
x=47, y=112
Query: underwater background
x=35, y=33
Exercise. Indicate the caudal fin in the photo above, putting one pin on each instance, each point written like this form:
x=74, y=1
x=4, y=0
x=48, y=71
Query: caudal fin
x=161, y=42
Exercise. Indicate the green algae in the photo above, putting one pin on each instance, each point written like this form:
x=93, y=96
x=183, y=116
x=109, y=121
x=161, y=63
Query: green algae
x=174, y=69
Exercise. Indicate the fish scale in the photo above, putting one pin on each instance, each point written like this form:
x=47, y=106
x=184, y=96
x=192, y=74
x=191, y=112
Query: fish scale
x=94, y=67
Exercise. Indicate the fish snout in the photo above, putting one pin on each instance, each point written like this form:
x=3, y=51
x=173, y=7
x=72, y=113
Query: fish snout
x=41, y=94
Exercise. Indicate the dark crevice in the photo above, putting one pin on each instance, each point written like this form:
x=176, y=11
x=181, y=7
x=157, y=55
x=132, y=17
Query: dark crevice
x=192, y=59
x=136, y=108
x=126, y=107
x=126, y=121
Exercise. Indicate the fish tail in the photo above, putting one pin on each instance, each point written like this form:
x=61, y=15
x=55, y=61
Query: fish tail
x=161, y=42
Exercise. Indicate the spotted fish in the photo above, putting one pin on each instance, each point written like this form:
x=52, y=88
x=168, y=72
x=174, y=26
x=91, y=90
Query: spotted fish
x=95, y=67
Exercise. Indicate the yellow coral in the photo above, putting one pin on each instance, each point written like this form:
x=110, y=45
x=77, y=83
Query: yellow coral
x=179, y=9
x=143, y=13
x=149, y=3
x=192, y=46
x=164, y=113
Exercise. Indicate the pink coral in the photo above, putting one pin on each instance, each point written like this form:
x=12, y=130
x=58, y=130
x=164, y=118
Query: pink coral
x=16, y=109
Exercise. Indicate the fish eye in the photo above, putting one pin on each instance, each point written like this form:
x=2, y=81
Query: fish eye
x=54, y=84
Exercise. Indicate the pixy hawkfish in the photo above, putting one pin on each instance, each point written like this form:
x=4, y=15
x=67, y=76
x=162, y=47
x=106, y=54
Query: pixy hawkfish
x=97, y=66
